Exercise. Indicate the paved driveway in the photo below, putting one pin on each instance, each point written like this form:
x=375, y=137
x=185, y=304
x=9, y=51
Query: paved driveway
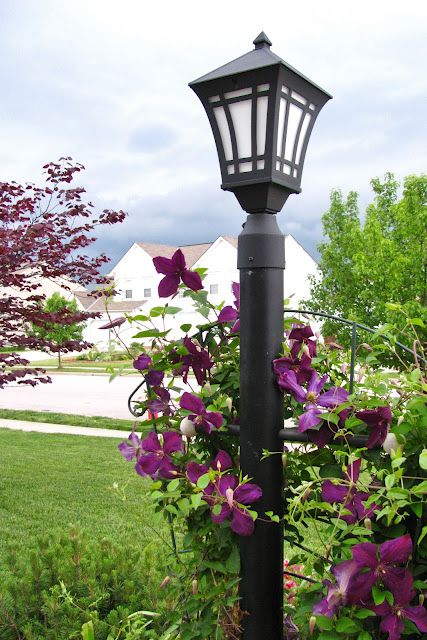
x=71, y=393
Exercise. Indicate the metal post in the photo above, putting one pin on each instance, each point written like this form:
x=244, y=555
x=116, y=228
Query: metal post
x=261, y=261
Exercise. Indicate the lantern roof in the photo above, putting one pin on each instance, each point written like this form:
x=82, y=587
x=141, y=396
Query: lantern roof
x=261, y=56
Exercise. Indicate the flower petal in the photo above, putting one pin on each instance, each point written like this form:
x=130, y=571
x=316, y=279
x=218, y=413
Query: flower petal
x=195, y=471
x=227, y=314
x=288, y=381
x=178, y=260
x=226, y=482
x=222, y=515
x=392, y=625
x=334, y=492
x=222, y=461
x=151, y=443
x=247, y=493
x=147, y=465
x=192, y=403
x=418, y=615
x=396, y=551
x=172, y=441
x=215, y=418
x=142, y=362
x=332, y=398
x=168, y=285
x=192, y=279
x=365, y=555
x=164, y=265
x=242, y=522
x=309, y=419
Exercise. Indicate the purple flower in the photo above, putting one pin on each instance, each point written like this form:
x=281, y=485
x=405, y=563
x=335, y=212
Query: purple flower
x=312, y=398
x=142, y=362
x=161, y=403
x=203, y=420
x=379, y=421
x=131, y=447
x=175, y=270
x=300, y=337
x=221, y=462
x=301, y=367
x=154, y=377
x=231, y=314
x=232, y=496
x=395, y=614
x=348, y=496
x=327, y=430
x=155, y=458
x=383, y=568
x=197, y=358
x=339, y=593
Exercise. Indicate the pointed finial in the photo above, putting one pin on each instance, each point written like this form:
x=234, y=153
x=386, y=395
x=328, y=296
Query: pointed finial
x=262, y=41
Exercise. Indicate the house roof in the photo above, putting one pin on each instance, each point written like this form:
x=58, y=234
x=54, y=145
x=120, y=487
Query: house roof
x=115, y=306
x=192, y=252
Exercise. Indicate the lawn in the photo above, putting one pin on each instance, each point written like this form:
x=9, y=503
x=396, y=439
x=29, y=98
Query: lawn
x=96, y=422
x=51, y=481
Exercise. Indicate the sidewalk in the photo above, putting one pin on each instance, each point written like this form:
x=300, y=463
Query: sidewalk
x=44, y=427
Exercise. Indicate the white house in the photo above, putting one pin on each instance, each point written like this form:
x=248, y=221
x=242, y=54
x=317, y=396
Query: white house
x=136, y=281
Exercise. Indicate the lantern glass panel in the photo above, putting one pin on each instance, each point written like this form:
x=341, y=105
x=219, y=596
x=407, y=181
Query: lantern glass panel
x=241, y=115
x=224, y=132
x=294, y=118
x=261, y=125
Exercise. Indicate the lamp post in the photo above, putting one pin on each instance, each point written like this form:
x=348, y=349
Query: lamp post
x=262, y=112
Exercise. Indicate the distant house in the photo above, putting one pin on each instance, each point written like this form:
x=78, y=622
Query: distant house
x=136, y=280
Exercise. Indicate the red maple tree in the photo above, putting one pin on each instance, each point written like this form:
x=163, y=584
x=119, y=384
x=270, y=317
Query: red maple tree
x=43, y=234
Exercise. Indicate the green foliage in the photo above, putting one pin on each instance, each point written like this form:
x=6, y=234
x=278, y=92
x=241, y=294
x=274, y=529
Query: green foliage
x=365, y=266
x=66, y=584
x=59, y=333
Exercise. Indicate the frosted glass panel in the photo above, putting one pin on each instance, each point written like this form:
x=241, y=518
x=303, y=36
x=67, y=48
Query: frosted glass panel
x=245, y=166
x=277, y=165
x=281, y=124
x=261, y=125
x=263, y=87
x=260, y=164
x=241, y=116
x=230, y=169
x=214, y=99
x=298, y=97
x=287, y=169
x=237, y=93
x=302, y=136
x=312, y=107
x=293, y=122
x=224, y=131
x=285, y=89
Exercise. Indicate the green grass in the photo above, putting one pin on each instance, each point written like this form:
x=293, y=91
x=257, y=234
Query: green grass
x=49, y=482
x=85, y=366
x=98, y=422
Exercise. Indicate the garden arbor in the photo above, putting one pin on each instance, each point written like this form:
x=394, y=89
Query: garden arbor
x=262, y=112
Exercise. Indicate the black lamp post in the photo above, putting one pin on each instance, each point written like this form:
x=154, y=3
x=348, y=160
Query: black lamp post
x=262, y=112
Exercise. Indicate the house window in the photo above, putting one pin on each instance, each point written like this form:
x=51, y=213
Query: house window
x=128, y=293
x=213, y=288
x=147, y=293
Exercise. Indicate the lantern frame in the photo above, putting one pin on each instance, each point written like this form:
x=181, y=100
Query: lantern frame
x=260, y=181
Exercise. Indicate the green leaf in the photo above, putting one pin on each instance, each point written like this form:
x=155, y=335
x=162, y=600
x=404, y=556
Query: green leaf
x=378, y=595
x=173, y=485
x=423, y=459
x=324, y=623
x=330, y=471
x=203, y=481
x=417, y=508
x=329, y=635
x=422, y=534
x=364, y=613
x=88, y=631
x=196, y=500
x=185, y=327
x=155, y=312
x=172, y=311
x=232, y=563
x=420, y=489
x=364, y=635
x=347, y=625
x=389, y=481
x=217, y=509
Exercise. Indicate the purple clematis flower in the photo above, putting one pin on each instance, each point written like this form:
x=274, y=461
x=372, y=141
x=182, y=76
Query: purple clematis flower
x=300, y=337
x=231, y=314
x=154, y=377
x=175, y=270
x=197, y=358
x=155, y=458
x=301, y=367
x=382, y=569
x=313, y=398
x=203, y=420
x=131, y=447
x=232, y=496
x=327, y=430
x=340, y=593
x=221, y=462
x=348, y=496
x=142, y=362
x=161, y=403
x=395, y=614
x=379, y=421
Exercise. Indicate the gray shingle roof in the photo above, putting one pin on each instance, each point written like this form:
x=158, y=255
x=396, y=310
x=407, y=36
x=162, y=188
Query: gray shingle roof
x=192, y=252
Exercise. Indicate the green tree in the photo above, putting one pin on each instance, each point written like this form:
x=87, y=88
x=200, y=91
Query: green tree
x=60, y=335
x=374, y=272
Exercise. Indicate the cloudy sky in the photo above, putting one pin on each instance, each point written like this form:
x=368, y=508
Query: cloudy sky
x=106, y=83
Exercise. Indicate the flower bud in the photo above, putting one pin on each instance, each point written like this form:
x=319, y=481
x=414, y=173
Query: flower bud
x=312, y=624
x=421, y=599
x=229, y=404
x=164, y=582
x=327, y=551
x=366, y=346
x=305, y=496
x=187, y=427
x=284, y=460
x=368, y=523
x=208, y=388
x=400, y=419
x=390, y=443
x=194, y=587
